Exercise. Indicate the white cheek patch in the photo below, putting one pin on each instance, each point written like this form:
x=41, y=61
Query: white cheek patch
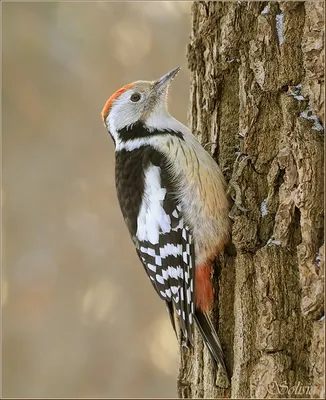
x=152, y=218
x=123, y=113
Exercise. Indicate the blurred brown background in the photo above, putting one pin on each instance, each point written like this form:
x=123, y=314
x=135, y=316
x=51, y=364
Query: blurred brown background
x=80, y=318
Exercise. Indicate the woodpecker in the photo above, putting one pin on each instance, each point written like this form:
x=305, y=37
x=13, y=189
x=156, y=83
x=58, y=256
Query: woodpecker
x=173, y=199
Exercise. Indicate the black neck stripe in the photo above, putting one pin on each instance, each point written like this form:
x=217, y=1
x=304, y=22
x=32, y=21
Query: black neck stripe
x=140, y=130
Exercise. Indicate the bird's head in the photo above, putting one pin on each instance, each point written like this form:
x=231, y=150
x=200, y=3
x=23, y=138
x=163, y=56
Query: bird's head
x=140, y=101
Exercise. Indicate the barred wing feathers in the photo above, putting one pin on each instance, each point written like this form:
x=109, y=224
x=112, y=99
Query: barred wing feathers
x=165, y=246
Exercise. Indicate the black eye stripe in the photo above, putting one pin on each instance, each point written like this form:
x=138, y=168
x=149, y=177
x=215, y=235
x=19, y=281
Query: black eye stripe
x=135, y=97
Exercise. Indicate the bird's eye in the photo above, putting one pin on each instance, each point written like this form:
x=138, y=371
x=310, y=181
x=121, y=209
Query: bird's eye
x=135, y=97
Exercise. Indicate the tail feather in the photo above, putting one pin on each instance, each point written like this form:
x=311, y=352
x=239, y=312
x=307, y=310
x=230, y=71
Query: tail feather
x=210, y=338
x=170, y=309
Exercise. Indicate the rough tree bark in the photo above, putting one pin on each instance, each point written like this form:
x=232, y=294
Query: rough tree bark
x=257, y=101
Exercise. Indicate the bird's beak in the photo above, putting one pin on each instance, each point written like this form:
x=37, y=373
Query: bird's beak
x=163, y=83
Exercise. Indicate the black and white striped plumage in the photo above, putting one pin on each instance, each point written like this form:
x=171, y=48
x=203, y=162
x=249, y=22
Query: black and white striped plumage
x=157, y=225
x=173, y=198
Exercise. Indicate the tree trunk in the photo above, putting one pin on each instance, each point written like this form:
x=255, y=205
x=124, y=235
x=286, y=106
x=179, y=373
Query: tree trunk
x=257, y=85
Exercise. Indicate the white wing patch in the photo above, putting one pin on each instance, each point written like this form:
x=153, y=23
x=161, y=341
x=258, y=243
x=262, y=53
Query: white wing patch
x=152, y=216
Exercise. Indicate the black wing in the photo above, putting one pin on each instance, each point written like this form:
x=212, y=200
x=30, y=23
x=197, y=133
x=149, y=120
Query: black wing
x=158, y=228
x=170, y=266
